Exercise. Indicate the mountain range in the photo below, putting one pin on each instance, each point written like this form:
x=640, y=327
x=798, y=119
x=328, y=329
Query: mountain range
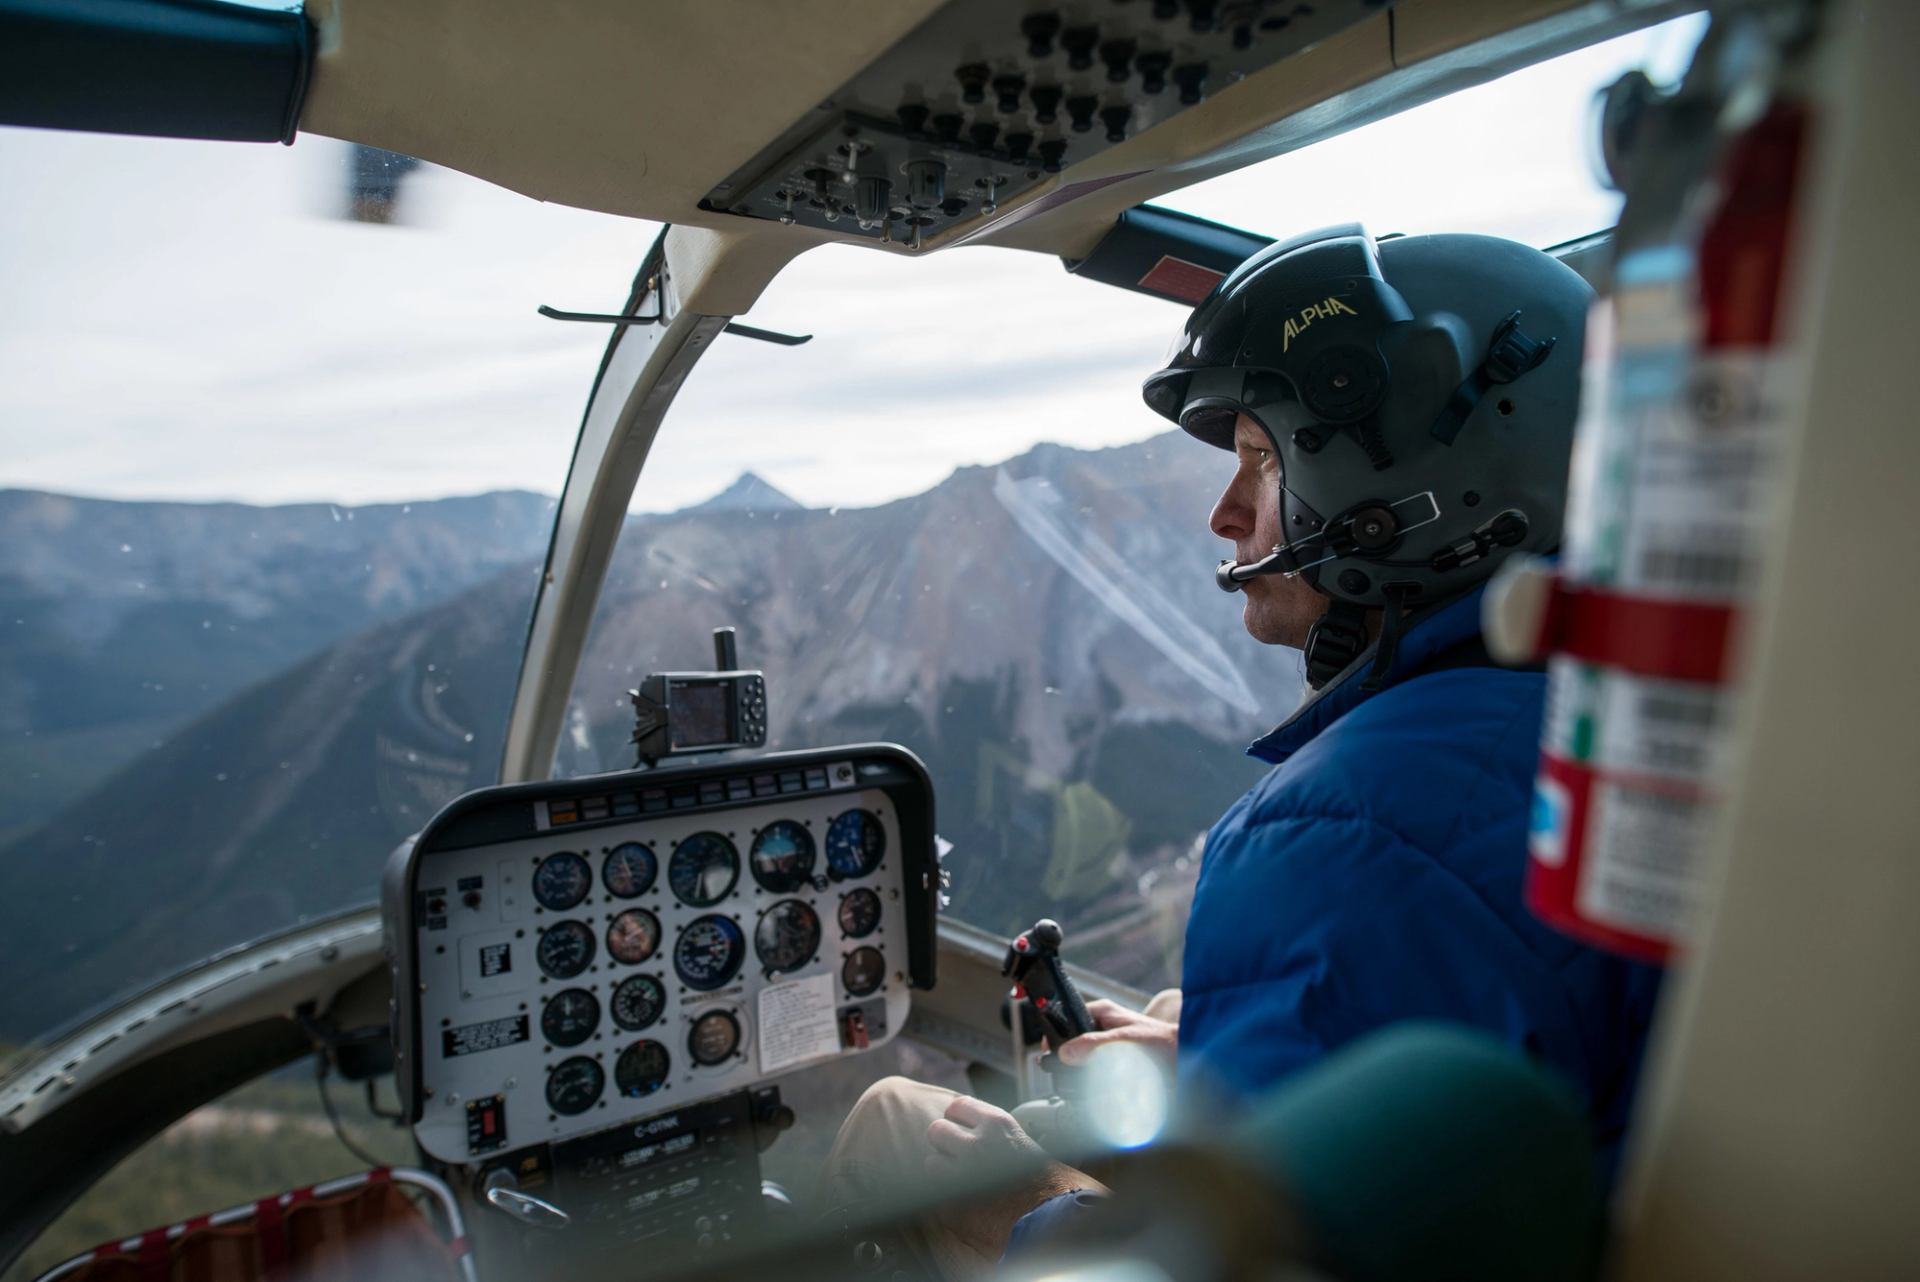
x=1044, y=632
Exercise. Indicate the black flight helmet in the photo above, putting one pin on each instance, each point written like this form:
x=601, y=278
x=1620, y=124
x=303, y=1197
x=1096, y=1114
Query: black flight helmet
x=1420, y=393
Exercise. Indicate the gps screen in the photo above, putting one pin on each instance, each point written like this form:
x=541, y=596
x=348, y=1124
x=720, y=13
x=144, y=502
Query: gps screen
x=701, y=713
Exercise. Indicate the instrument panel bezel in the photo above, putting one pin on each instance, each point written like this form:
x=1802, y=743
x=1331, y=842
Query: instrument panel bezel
x=507, y=813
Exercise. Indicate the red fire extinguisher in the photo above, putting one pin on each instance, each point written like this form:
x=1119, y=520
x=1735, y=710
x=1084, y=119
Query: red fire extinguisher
x=1674, y=468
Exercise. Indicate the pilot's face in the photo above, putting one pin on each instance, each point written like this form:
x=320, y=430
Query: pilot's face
x=1278, y=610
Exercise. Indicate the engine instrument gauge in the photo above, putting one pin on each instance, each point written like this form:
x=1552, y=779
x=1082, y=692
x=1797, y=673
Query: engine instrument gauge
x=629, y=869
x=633, y=936
x=642, y=1068
x=565, y=949
x=856, y=841
x=859, y=913
x=574, y=1085
x=783, y=857
x=638, y=1001
x=569, y=1017
x=787, y=936
x=562, y=880
x=862, y=972
x=713, y=1038
x=709, y=952
x=704, y=869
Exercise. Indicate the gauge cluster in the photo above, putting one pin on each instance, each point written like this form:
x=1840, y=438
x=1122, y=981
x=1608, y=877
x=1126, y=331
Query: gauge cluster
x=580, y=961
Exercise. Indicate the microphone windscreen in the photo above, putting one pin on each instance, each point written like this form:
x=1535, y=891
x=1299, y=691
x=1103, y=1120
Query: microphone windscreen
x=1428, y=1151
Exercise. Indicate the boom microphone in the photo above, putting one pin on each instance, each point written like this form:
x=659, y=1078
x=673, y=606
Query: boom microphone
x=1230, y=576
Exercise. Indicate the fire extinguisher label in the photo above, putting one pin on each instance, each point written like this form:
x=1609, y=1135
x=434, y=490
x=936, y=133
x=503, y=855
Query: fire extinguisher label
x=1638, y=874
x=1704, y=447
x=1628, y=790
x=1622, y=723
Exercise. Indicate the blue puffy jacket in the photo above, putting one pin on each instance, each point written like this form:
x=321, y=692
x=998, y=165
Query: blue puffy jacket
x=1376, y=875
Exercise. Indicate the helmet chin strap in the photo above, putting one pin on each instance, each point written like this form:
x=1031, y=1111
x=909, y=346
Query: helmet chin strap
x=1339, y=637
x=1334, y=641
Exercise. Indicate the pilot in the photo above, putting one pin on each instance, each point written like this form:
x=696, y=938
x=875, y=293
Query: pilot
x=1400, y=415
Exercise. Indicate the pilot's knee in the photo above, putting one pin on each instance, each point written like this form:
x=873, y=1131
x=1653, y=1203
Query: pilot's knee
x=896, y=1096
x=885, y=1133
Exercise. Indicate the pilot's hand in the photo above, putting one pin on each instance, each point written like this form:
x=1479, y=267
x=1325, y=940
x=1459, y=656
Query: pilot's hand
x=1157, y=1032
x=975, y=1135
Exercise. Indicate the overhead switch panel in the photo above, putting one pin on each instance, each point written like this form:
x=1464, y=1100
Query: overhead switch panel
x=988, y=97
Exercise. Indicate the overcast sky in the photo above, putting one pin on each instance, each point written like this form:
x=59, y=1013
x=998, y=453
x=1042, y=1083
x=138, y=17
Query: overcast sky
x=188, y=321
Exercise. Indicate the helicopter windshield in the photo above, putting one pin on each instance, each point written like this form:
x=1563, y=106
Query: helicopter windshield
x=279, y=429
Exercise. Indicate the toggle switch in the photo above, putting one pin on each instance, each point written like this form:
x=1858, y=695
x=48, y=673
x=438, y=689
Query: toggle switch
x=851, y=149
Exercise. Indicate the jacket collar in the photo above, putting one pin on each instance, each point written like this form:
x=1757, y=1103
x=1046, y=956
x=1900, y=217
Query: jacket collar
x=1448, y=626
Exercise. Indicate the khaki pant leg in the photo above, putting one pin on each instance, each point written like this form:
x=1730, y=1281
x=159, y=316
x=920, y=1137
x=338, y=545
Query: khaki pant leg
x=882, y=1146
x=1165, y=1004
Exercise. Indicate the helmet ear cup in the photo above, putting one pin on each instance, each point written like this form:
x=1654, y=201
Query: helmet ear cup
x=1344, y=384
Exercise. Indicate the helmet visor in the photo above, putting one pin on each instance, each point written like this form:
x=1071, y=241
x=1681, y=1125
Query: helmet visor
x=1212, y=399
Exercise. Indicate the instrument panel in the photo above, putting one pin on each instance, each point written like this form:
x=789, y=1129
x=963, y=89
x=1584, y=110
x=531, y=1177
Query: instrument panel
x=587, y=954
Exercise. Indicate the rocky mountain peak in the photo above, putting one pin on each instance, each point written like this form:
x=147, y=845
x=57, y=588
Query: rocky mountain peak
x=750, y=492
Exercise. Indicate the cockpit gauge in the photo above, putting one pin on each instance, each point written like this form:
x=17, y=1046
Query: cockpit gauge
x=856, y=842
x=574, y=1085
x=638, y=1001
x=561, y=881
x=566, y=949
x=704, y=869
x=709, y=952
x=862, y=972
x=569, y=1017
x=713, y=1038
x=629, y=869
x=787, y=936
x=859, y=913
x=633, y=936
x=783, y=857
x=642, y=1068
